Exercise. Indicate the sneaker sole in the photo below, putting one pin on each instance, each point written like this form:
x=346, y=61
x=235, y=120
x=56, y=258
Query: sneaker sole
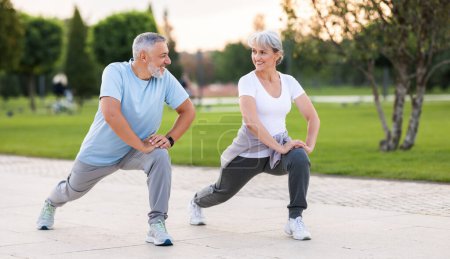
x=194, y=223
x=44, y=228
x=291, y=235
x=166, y=242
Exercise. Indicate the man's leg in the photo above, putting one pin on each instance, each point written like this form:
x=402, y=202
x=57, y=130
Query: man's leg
x=157, y=167
x=81, y=179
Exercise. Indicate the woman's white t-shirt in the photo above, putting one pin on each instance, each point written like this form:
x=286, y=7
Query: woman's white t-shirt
x=271, y=111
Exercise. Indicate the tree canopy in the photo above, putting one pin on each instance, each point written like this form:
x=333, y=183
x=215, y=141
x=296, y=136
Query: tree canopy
x=233, y=62
x=113, y=36
x=41, y=49
x=80, y=68
x=408, y=34
x=11, y=35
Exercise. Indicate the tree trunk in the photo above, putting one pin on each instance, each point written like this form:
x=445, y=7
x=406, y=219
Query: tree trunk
x=416, y=103
x=376, y=98
x=413, y=124
x=391, y=142
x=31, y=92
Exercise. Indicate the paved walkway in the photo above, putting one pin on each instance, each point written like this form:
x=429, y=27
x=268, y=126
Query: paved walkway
x=328, y=99
x=349, y=218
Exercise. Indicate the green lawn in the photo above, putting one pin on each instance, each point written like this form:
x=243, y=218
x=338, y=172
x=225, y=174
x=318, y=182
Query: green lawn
x=347, y=144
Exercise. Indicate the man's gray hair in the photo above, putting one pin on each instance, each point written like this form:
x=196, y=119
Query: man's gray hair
x=145, y=41
x=267, y=40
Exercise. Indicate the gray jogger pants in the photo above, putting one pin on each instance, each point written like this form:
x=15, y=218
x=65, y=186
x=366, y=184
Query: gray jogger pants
x=155, y=164
x=233, y=177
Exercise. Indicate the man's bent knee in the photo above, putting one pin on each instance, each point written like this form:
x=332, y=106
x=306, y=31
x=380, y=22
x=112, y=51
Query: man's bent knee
x=159, y=155
x=157, y=158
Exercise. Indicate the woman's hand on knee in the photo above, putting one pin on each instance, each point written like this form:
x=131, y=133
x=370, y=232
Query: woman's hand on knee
x=301, y=144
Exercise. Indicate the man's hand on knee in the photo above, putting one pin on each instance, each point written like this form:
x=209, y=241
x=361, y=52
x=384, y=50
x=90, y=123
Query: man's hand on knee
x=159, y=141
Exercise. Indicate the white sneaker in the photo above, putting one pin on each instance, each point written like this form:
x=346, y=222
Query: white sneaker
x=158, y=234
x=297, y=229
x=47, y=217
x=196, y=214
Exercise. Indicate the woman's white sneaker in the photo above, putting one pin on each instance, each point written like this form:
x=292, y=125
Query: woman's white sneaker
x=196, y=214
x=297, y=229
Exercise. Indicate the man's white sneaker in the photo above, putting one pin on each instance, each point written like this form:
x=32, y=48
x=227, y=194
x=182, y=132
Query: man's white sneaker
x=196, y=214
x=47, y=217
x=297, y=229
x=158, y=234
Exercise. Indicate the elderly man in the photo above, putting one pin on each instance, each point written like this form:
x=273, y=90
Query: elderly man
x=124, y=133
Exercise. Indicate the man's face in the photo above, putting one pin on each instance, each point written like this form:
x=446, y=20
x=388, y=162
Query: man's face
x=158, y=59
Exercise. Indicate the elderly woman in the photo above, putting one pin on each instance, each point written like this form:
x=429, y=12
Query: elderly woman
x=262, y=143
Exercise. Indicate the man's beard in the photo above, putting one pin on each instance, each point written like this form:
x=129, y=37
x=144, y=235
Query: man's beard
x=155, y=71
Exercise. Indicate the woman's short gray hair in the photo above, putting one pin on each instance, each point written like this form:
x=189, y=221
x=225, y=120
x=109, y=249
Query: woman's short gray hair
x=145, y=41
x=267, y=39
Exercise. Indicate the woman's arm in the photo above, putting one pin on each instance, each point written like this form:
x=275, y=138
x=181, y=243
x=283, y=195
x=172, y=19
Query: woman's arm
x=308, y=111
x=248, y=110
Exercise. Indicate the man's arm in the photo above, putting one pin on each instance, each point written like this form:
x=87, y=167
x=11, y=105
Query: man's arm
x=186, y=114
x=112, y=113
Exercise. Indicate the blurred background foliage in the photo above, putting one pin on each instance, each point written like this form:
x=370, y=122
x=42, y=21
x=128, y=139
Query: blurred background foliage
x=379, y=47
x=34, y=49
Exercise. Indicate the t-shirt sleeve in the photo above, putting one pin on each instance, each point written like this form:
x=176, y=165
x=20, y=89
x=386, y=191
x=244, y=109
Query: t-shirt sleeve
x=246, y=87
x=295, y=88
x=112, y=83
x=175, y=93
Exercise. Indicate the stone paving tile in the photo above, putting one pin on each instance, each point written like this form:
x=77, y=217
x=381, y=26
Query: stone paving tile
x=411, y=197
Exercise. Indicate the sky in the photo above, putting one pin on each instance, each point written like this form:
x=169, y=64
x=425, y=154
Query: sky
x=197, y=24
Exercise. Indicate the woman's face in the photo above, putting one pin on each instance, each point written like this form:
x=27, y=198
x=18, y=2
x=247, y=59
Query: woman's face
x=264, y=58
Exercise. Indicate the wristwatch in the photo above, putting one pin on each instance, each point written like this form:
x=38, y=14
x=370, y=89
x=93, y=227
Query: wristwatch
x=171, y=141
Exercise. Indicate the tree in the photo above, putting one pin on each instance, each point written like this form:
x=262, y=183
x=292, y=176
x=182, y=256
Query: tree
x=11, y=35
x=175, y=67
x=80, y=68
x=113, y=36
x=9, y=86
x=197, y=65
x=41, y=49
x=407, y=33
x=233, y=62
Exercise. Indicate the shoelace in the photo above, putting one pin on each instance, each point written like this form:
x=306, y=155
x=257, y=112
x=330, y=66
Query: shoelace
x=48, y=211
x=160, y=226
x=197, y=211
x=299, y=225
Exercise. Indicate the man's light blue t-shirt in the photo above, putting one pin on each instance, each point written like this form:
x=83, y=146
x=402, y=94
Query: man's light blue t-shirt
x=142, y=105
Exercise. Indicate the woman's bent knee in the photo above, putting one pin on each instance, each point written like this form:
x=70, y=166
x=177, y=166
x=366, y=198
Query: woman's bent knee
x=297, y=159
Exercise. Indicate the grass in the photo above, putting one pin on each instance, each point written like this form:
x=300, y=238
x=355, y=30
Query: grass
x=341, y=90
x=347, y=144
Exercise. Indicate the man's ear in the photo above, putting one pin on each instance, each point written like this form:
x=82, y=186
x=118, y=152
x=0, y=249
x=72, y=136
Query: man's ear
x=143, y=57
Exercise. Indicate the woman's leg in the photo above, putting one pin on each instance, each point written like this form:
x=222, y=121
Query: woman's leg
x=231, y=180
x=296, y=163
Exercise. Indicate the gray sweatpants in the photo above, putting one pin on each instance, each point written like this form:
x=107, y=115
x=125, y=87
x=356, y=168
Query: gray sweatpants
x=155, y=164
x=239, y=171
